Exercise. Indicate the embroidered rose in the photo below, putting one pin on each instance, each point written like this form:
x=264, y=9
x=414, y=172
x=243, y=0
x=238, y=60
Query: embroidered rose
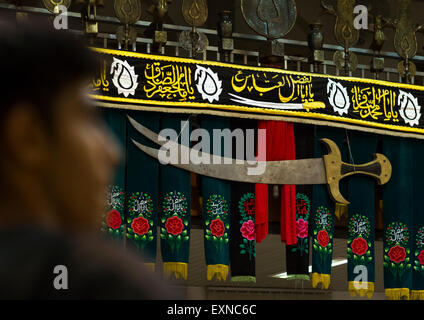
x=397, y=254
x=113, y=219
x=140, y=225
x=302, y=228
x=217, y=228
x=174, y=225
x=421, y=257
x=359, y=246
x=248, y=230
x=249, y=207
x=323, y=238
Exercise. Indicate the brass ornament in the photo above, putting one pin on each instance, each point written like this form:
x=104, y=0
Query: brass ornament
x=405, y=40
x=89, y=15
x=411, y=69
x=127, y=11
x=195, y=42
x=52, y=5
x=272, y=19
x=195, y=12
x=340, y=60
x=344, y=30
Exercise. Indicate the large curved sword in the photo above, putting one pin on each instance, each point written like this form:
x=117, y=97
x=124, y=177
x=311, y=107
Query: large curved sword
x=326, y=170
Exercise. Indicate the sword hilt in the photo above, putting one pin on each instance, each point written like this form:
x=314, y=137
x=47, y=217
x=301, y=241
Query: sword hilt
x=335, y=169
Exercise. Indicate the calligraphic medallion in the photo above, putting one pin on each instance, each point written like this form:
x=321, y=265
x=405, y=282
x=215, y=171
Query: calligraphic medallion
x=127, y=11
x=195, y=12
x=52, y=5
x=272, y=19
x=405, y=41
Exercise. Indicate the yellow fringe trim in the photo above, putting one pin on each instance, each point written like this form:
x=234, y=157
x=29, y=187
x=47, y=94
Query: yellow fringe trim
x=150, y=266
x=324, y=279
x=356, y=287
x=397, y=293
x=178, y=269
x=220, y=270
x=417, y=295
x=341, y=209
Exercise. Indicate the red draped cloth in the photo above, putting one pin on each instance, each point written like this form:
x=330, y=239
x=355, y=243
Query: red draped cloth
x=279, y=146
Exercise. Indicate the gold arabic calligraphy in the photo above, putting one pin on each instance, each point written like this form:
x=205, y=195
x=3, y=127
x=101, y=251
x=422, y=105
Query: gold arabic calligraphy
x=168, y=82
x=289, y=87
x=373, y=103
x=100, y=81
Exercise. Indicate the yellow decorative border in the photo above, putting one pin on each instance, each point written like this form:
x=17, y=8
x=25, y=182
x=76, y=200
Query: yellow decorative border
x=131, y=54
x=259, y=110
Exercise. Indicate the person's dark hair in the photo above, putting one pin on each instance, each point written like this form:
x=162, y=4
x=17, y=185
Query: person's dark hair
x=37, y=62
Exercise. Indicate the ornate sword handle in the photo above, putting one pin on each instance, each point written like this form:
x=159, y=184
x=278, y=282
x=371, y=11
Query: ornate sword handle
x=335, y=170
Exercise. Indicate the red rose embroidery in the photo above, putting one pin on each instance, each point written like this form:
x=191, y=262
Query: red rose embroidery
x=397, y=254
x=249, y=207
x=359, y=246
x=323, y=238
x=140, y=225
x=174, y=225
x=217, y=227
x=302, y=228
x=301, y=207
x=421, y=257
x=113, y=219
x=248, y=230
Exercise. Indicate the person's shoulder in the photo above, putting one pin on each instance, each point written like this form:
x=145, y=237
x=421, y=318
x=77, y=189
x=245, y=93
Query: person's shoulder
x=43, y=264
x=106, y=270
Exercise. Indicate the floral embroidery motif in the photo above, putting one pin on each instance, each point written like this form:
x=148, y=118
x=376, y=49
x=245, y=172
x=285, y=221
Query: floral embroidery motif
x=114, y=207
x=139, y=222
x=396, y=258
x=358, y=244
x=419, y=252
x=303, y=206
x=216, y=230
x=246, y=207
x=174, y=220
x=322, y=242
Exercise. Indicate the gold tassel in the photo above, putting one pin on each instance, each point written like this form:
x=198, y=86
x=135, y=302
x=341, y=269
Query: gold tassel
x=417, y=294
x=340, y=210
x=368, y=290
x=318, y=278
x=178, y=269
x=220, y=270
x=150, y=266
x=397, y=293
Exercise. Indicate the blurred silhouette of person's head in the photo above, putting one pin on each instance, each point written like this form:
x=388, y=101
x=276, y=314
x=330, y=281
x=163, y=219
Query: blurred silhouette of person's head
x=57, y=158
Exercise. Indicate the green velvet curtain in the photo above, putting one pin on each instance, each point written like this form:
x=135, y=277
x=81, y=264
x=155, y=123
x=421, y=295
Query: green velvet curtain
x=175, y=196
x=142, y=189
x=323, y=214
x=398, y=210
x=417, y=292
x=360, y=233
x=216, y=195
x=114, y=218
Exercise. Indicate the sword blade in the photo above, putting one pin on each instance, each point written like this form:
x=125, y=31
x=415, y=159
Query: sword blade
x=303, y=171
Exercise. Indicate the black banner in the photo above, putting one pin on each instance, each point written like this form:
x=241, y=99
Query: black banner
x=168, y=84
